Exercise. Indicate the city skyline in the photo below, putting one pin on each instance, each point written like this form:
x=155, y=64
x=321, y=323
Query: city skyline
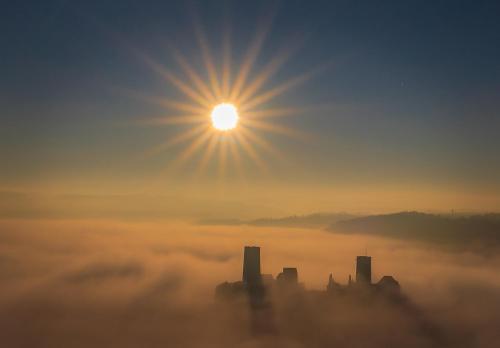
x=264, y=294
x=288, y=277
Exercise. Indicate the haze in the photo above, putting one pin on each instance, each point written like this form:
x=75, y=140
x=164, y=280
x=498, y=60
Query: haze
x=144, y=144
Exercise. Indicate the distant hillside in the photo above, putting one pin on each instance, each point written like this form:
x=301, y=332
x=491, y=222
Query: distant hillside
x=318, y=220
x=313, y=220
x=463, y=230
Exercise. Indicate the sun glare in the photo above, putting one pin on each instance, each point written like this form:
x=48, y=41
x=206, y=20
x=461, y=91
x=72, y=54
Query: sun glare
x=249, y=88
x=224, y=117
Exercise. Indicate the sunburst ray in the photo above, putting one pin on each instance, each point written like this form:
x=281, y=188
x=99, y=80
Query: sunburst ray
x=275, y=128
x=248, y=148
x=273, y=112
x=250, y=57
x=195, y=78
x=175, y=81
x=173, y=119
x=287, y=111
x=190, y=151
x=162, y=101
x=222, y=157
x=185, y=88
x=226, y=63
x=178, y=139
x=268, y=71
x=243, y=90
x=206, y=55
x=276, y=91
x=233, y=149
x=208, y=153
x=266, y=145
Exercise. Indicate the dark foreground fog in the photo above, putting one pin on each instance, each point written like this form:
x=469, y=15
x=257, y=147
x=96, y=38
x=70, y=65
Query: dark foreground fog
x=111, y=284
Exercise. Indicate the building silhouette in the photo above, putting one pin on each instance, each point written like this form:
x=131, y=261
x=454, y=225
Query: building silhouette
x=363, y=270
x=256, y=288
x=389, y=285
x=288, y=276
x=254, y=284
x=332, y=284
x=251, y=265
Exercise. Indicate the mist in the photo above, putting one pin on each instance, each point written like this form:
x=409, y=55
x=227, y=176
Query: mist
x=115, y=284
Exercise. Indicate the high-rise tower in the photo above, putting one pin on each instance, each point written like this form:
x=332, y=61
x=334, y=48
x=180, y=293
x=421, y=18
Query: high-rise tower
x=363, y=270
x=251, y=265
x=289, y=276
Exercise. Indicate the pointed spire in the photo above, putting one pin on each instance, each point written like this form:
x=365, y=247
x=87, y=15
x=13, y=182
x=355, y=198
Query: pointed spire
x=331, y=283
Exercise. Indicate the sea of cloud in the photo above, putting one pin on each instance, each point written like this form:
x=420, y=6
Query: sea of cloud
x=104, y=283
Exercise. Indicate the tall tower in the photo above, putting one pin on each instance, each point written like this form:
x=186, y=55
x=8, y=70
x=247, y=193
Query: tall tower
x=363, y=270
x=251, y=265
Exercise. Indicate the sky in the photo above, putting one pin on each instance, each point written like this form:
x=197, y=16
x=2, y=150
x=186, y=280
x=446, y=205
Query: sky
x=400, y=110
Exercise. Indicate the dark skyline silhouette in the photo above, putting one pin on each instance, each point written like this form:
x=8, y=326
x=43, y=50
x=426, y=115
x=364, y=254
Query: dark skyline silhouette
x=265, y=296
x=289, y=278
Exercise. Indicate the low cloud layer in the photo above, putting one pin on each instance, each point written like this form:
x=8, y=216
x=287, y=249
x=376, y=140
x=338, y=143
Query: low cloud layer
x=114, y=284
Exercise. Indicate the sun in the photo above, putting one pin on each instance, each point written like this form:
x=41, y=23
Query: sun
x=226, y=110
x=224, y=117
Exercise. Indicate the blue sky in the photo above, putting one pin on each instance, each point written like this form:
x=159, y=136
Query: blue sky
x=410, y=99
